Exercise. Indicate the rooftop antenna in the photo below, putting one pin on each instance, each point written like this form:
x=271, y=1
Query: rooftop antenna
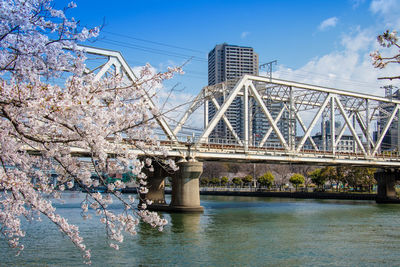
x=268, y=67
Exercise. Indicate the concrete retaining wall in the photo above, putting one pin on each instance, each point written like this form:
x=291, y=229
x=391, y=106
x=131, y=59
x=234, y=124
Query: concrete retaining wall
x=313, y=195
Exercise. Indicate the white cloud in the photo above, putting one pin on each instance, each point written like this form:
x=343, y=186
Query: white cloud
x=348, y=69
x=328, y=23
x=359, y=41
x=244, y=35
x=357, y=3
x=388, y=10
x=383, y=6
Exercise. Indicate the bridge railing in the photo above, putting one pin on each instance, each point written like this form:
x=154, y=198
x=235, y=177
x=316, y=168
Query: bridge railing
x=226, y=145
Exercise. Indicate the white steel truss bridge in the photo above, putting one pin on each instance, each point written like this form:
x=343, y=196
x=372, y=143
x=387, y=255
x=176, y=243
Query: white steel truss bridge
x=352, y=126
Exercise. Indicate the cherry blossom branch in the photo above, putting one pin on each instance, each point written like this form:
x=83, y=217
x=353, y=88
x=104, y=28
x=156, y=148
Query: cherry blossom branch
x=387, y=39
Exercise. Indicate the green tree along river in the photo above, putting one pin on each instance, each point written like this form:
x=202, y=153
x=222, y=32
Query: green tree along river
x=232, y=231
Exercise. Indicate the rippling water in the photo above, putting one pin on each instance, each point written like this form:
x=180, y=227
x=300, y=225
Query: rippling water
x=232, y=231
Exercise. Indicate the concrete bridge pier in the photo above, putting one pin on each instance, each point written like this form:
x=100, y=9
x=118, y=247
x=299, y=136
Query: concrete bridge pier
x=386, y=186
x=156, y=186
x=185, y=188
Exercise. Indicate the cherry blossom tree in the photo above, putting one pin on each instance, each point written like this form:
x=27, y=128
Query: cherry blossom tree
x=43, y=124
x=388, y=39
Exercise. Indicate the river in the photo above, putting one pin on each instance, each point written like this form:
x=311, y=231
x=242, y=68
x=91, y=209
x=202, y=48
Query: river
x=232, y=231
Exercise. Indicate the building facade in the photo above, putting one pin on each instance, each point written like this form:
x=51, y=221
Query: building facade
x=347, y=143
x=228, y=63
x=391, y=141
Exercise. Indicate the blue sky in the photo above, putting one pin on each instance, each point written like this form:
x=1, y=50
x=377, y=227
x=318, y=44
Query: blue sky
x=319, y=42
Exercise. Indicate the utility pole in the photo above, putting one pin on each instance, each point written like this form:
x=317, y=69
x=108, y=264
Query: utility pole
x=389, y=90
x=268, y=67
x=254, y=177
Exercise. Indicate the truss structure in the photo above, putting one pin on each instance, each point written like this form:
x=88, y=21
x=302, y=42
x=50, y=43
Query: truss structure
x=289, y=133
x=104, y=62
x=339, y=113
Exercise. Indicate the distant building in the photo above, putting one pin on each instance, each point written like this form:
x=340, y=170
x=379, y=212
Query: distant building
x=346, y=143
x=228, y=63
x=391, y=140
x=260, y=124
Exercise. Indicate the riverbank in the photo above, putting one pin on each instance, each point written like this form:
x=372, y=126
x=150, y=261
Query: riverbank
x=304, y=195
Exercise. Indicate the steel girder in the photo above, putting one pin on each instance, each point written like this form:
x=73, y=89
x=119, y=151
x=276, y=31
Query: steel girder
x=116, y=64
x=303, y=107
x=348, y=114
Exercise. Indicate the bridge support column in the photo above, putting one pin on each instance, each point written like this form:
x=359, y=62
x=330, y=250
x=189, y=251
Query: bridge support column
x=185, y=188
x=386, y=186
x=156, y=186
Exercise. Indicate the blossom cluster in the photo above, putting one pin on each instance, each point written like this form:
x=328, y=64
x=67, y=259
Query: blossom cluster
x=387, y=39
x=43, y=125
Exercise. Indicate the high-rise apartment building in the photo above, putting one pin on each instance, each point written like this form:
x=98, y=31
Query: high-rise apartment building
x=230, y=63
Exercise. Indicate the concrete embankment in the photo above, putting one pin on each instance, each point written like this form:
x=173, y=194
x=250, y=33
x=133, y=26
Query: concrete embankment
x=304, y=195
x=311, y=195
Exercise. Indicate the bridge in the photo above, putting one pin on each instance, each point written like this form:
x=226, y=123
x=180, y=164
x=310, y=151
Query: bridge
x=353, y=129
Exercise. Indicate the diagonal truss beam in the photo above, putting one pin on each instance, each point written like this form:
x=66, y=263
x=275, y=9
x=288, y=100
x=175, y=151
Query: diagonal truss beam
x=352, y=130
x=267, y=114
x=121, y=63
x=192, y=108
x=227, y=122
x=342, y=130
x=385, y=129
x=270, y=129
x=313, y=122
x=111, y=61
x=228, y=101
x=364, y=129
x=303, y=126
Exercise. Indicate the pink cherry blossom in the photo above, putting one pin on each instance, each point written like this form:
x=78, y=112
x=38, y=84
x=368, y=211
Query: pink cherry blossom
x=387, y=39
x=53, y=121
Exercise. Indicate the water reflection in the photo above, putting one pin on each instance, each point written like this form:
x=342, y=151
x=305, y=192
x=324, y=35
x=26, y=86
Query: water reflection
x=185, y=222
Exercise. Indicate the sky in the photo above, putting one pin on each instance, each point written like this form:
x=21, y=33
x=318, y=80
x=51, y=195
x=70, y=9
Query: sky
x=319, y=42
